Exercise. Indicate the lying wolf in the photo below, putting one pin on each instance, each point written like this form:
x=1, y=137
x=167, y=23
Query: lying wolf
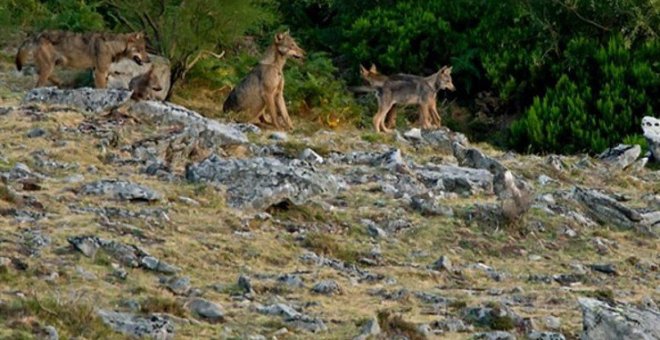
x=82, y=51
x=407, y=89
x=263, y=87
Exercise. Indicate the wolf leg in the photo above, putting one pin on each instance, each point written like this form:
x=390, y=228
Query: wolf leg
x=390, y=120
x=281, y=105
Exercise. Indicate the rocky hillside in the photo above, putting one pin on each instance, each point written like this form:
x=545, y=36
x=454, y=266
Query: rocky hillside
x=122, y=220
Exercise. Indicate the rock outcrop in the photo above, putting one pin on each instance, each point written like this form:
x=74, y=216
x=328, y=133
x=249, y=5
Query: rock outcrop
x=83, y=99
x=651, y=127
x=605, y=321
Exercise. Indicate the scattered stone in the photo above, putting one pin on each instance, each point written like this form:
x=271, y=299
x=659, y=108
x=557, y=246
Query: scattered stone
x=370, y=329
x=607, y=210
x=245, y=285
x=293, y=281
x=651, y=127
x=427, y=205
x=177, y=285
x=605, y=321
x=374, y=230
x=120, y=190
x=84, y=99
x=621, y=156
x=84, y=274
x=327, y=287
x=294, y=318
x=552, y=323
x=36, y=133
x=452, y=325
x=498, y=335
x=545, y=336
x=310, y=156
x=555, y=162
x=278, y=136
x=442, y=139
x=443, y=263
x=414, y=134
x=206, y=310
x=500, y=317
x=604, y=268
x=50, y=333
x=155, y=327
x=259, y=183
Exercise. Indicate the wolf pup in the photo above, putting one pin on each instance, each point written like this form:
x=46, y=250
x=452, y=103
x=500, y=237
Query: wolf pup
x=263, y=88
x=407, y=89
x=81, y=51
x=145, y=85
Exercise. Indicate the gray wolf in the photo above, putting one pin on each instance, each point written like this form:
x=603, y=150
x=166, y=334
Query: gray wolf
x=81, y=51
x=407, y=89
x=145, y=86
x=263, y=88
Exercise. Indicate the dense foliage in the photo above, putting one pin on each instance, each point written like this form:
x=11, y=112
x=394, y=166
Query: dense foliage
x=577, y=75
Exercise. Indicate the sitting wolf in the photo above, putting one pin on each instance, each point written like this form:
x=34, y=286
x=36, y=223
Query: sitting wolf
x=82, y=51
x=263, y=87
x=407, y=89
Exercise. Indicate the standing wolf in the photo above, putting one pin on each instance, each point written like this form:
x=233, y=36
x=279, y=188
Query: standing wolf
x=407, y=89
x=82, y=51
x=263, y=87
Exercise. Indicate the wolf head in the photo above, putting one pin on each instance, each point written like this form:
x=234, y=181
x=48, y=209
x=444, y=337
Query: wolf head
x=443, y=81
x=287, y=46
x=372, y=76
x=136, y=48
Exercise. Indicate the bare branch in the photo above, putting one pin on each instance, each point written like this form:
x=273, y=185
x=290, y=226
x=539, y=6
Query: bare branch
x=202, y=54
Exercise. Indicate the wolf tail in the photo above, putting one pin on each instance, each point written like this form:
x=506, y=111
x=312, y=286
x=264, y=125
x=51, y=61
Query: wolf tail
x=24, y=52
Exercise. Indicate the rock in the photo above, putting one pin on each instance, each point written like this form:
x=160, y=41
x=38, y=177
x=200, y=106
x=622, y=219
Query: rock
x=545, y=336
x=83, y=99
x=245, y=285
x=327, y=287
x=555, y=162
x=651, y=127
x=177, y=285
x=259, y=183
x=152, y=263
x=50, y=333
x=212, y=132
x=500, y=317
x=604, y=268
x=607, y=210
x=414, y=134
x=447, y=178
x=206, y=310
x=278, y=136
x=84, y=274
x=552, y=323
x=621, y=156
x=442, y=139
x=294, y=318
x=293, y=281
x=604, y=321
x=310, y=156
x=498, y=335
x=452, y=325
x=120, y=190
x=155, y=327
x=427, y=205
x=443, y=263
x=122, y=71
x=35, y=133
x=370, y=329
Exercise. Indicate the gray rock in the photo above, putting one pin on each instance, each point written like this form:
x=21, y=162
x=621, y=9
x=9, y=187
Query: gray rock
x=21, y=172
x=245, y=285
x=552, y=323
x=310, y=156
x=498, y=335
x=621, y=156
x=607, y=210
x=83, y=99
x=206, y=310
x=651, y=127
x=373, y=229
x=35, y=133
x=293, y=281
x=152, y=263
x=490, y=316
x=370, y=329
x=604, y=321
x=259, y=183
x=294, y=318
x=414, y=134
x=211, y=131
x=545, y=336
x=177, y=285
x=327, y=287
x=278, y=136
x=50, y=333
x=427, y=205
x=155, y=327
x=443, y=263
x=122, y=71
x=605, y=268
x=555, y=162
x=120, y=190
x=452, y=325
x=456, y=179
x=442, y=139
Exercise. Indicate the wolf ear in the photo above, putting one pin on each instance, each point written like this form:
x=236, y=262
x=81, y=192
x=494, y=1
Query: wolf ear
x=363, y=70
x=279, y=37
x=446, y=69
x=373, y=69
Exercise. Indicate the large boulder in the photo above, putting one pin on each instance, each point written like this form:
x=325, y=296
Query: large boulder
x=83, y=99
x=607, y=210
x=605, y=321
x=212, y=131
x=261, y=182
x=621, y=156
x=123, y=70
x=651, y=127
x=153, y=327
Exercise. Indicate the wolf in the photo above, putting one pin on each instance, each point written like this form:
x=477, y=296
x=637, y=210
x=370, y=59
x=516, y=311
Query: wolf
x=82, y=51
x=145, y=86
x=407, y=89
x=263, y=88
